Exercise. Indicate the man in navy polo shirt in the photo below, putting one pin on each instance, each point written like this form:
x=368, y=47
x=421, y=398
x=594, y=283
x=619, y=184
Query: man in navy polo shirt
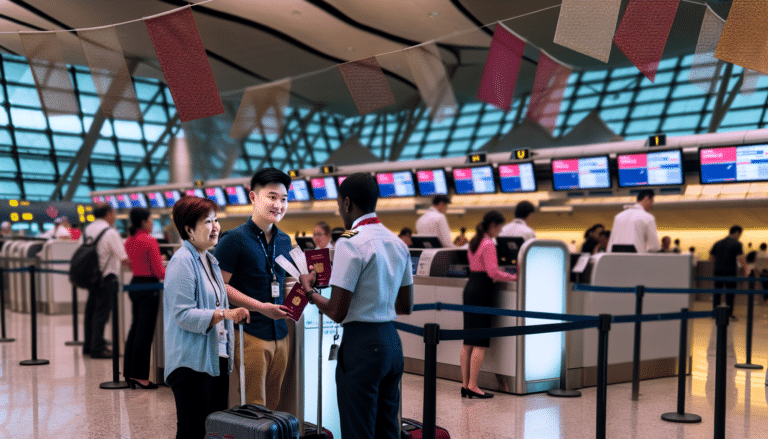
x=254, y=280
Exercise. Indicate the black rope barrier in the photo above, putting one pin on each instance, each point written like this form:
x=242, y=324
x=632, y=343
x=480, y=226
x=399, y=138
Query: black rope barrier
x=116, y=383
x=4, y=338
x=512, y=313
x=602, y=289
x=33, y=314
x=75, y=341
x=733, y=279
x=511, y=331
x=680, y=415
x=750, y=321
x=48, y=270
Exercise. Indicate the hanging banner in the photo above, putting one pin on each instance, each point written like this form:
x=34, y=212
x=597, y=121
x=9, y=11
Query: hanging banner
x=185, y=65
x=705, y=67
x=429, y=74
x=263, y=107
x=744, y=41
x=749, y=85
x=367, y=85
x=110, y=74
x=497, y=85
x=54, y=86
x=547, y=93
x=643, y=32
x=587, y=26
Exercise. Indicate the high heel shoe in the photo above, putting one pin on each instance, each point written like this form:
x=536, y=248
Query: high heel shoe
x=133, y=383
x=463, y=392
x=472, y=394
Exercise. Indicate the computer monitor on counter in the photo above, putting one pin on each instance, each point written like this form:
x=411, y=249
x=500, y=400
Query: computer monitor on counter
x=507, y=248
x=305, y=242
x=424, y=241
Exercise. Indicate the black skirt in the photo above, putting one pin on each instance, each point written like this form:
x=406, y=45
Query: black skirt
x=478, y=292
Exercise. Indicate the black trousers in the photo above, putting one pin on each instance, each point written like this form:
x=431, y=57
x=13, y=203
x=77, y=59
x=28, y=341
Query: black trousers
x=144, y=305
x=97, y=309
x=197, y=395
x=728, y=297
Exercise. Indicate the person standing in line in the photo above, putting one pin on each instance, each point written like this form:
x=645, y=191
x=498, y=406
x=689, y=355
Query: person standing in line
x=198, y=324
x=519, y=228
x=484, y=271
x=435, y=223
x=636, y=227
x=321, y=236
x=255, y=281
x=371, y=283
x=726, y=253
x=99, y=304
x=147, y=267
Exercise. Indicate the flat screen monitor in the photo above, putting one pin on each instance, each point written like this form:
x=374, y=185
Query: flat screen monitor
x=123, y=202
x=216, y=194
x=305, y=243
x=112, y=200
x=324, y=188
x=237, y=195
x=195, y=193
x=431, y=182
x=138, y=200
x=581, y=173
x=396, y=184
x=415, y=255
x=656, y=168
x=156, y=200
x=424, y=241
x=517, y=177
x=734, y=164
x=507, y=248
x=298, y=191
x=477, y=180
x=98, y=199
x=171, y=197
x=340, y=179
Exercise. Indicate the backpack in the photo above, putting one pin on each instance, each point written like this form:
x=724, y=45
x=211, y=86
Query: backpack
x=84, y=271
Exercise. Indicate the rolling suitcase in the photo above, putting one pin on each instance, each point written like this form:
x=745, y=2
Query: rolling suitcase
x=250, y=421
x=412, y=429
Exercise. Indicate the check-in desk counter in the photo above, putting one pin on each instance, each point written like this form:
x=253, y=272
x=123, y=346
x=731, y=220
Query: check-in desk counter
x=17, y=283
x=659, y=347
x=55, y=291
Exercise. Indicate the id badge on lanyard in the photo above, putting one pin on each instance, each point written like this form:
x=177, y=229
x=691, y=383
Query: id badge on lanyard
x=275, y=288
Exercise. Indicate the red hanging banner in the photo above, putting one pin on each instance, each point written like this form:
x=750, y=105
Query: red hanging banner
x=547, y=94
x=497, y=85
x=367, y=85
x=185, y=65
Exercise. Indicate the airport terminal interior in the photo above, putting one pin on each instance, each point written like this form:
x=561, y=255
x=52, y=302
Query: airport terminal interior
x=574, y=106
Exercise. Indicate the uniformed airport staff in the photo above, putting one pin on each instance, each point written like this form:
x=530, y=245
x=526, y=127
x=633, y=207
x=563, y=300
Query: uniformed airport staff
x=372, y=283
x=435, y=223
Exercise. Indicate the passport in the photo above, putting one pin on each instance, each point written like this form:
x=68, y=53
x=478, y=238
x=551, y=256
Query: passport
x=321, y=259
x=296, y=301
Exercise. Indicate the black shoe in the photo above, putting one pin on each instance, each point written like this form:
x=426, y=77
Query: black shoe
x=463, y=392
x=133, y=383
x=106, y=353
x=471, y=394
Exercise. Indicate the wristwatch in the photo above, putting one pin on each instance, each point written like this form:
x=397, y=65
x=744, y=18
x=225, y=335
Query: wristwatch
x=309, y=295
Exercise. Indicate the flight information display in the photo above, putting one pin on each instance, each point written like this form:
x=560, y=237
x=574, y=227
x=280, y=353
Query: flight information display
x=517, y=178
x=477, y=180
x=657, y=168
x=299, y=191
x=341, y=179
x=581, y=173
x=324, y=188
x=156, y=200
x=137, y=200
x=396, y=184
x=195, y=193
x=98, y=199
x=431, y=182
x=171, y=197
x=734, y=163
x=237, y=195
x=123, y=202
x=216, y=194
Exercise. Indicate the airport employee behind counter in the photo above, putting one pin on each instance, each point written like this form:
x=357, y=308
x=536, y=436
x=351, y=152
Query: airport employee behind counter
x=435, y=223
x=372, y=283
x=635, y=227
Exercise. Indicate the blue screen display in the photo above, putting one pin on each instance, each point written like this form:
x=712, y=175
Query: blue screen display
x=474, y=180
x=396, y=184
x=298, y=191
x=581, y=173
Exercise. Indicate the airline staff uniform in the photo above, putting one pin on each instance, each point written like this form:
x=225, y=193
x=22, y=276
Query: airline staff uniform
x=434, y=223
x=635, y=226
x=518, y=229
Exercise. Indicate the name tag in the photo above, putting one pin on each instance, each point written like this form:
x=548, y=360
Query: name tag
x=275, y=289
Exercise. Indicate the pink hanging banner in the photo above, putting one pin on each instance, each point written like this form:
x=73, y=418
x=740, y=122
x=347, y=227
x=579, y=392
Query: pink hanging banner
x=185, y=65
x=497, y=85
x=367, y=85
x=54, y=87
x=547, y=94
x=643, y=32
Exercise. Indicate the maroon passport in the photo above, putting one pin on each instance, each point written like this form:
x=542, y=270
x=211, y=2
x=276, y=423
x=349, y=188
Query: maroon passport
x=296, y=301
x=321, y=259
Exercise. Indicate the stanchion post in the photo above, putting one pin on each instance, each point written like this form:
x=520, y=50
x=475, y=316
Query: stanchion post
x=74, y=341
x=750, y=322
x=639, y=293
x=4, y=339
x=563, y=391
x=431, y=339
x=115, y=383
x=720, y=370
x=680, y=416
x=33, y=313
x=602, y=375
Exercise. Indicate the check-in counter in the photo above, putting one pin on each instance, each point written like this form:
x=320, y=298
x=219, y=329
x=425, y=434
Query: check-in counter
x=55, y=293
x=17, y=294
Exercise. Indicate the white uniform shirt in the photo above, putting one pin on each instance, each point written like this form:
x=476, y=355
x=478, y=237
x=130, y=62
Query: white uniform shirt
x=373, y=264
x=110, y=249
x=434, y=223
x=518, y=228
x=635, y=226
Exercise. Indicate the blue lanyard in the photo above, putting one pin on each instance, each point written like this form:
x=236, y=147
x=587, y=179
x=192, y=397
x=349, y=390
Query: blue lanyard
x=270, y=263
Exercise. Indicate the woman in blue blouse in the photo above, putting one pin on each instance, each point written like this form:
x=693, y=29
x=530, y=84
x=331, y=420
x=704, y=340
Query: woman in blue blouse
x=199, y=343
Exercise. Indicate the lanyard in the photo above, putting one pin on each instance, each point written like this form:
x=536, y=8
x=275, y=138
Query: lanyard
x=365, y=222
x=270, y=264
x=214, y=285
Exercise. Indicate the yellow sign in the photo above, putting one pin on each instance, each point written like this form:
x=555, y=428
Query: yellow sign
x=293, y=173
x=476, y=158
x=91, y=218
x=26, y=216
x=328, y=169
x=80, y=209
x=199, y=183
x=521, y=154
x=13, y=203
x=657, y=140
x=14, y=216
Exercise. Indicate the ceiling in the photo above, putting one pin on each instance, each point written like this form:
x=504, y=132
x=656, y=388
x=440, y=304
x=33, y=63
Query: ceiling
x=250, y=42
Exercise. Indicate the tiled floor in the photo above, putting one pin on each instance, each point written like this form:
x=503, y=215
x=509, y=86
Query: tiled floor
x=63, y=399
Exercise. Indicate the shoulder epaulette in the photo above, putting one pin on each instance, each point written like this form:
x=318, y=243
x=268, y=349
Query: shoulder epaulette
x=349, y=233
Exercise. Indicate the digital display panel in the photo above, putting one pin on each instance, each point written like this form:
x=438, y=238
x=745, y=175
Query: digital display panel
x=341, y=179
x=123, y=202
x=237, y=195
x=657, y=168
x=137, y=200
x=299, y=191
x=517, y=178
x=171, y=197
x=431, y=182
x=477, y=180
x=396, y=184
x=734, y=164
x=112, y=200
x=98, y=199
x=195, y=193
x=581, y=173
x=156, y=199
x=324, y=188
x=216, y=194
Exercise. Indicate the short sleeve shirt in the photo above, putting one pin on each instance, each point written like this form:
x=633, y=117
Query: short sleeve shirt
x=110, y=248
x=725, y=252
x=243, y=251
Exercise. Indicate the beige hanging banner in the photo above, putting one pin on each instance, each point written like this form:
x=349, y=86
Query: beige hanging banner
x=263, y=107
x=744, y=41
x=429, y=74
x=49, y=70
x=110, y=73
x=587, y=26
x=704, y=67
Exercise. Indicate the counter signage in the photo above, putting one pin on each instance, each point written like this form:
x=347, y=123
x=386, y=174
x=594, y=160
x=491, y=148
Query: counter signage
x=431, y=182
x=477, y=180
x=734, y=163
x=324, y=188
x=650, y=169
x=299, y=191
x=237, y=195
x=517, y=178
x=425, y=262
x=216, y=194
x=156, y=200
x=581, y=173
x=396, y=184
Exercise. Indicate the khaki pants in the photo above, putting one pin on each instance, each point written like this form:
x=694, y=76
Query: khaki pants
x=265, y=365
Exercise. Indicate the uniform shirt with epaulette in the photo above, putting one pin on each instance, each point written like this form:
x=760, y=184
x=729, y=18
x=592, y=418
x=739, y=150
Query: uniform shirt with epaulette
x=373, y=263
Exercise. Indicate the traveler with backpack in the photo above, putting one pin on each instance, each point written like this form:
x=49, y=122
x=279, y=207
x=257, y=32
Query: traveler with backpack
x=111, y=254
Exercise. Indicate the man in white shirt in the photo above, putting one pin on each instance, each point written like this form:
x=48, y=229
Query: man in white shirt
x=636, y=227
x=518, y=228
x=434, y=221
x=111, y=255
